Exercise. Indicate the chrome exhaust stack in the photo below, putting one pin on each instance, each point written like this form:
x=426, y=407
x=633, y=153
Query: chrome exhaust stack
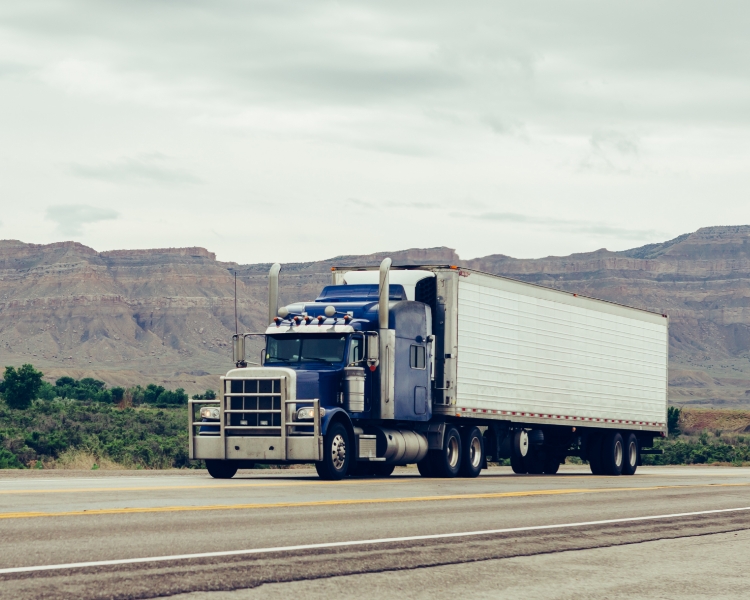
x=273, y=292
x=387, y=344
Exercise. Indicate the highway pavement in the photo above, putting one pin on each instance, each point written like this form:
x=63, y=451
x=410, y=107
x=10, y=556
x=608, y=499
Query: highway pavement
x=665, y=532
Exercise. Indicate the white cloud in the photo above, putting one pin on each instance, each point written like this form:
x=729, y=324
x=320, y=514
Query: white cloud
x=143, y=168
x=72, y=218
x=624, y=120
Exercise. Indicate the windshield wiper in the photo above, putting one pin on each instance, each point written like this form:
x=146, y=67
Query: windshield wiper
x=320, y=358
x=275, y=358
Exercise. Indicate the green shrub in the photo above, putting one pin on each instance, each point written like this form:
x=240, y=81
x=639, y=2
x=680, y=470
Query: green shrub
x=20, y=387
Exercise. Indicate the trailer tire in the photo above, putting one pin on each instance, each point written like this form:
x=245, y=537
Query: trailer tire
x=519, y=443
x=424, y=466
x=534, y=461
x=335, y=463
x=552, y=465
x=447, y=462
x=221, y=469
x=472, y=455
x=632, y=455
x=613, y=453
x=595, y=454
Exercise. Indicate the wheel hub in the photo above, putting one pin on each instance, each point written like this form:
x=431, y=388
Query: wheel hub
x=338, y=452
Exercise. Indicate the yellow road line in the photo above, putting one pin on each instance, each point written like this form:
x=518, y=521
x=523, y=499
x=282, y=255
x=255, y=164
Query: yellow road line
x=353, y=501
x=261, y=484
x=209, y=487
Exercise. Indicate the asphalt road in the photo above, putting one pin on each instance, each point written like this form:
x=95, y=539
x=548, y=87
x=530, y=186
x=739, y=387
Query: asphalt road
x=666, y=532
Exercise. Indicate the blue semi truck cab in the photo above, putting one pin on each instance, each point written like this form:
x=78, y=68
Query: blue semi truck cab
x=346, y=382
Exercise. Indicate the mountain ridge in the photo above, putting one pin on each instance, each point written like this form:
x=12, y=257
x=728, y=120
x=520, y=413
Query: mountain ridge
x=167, y=314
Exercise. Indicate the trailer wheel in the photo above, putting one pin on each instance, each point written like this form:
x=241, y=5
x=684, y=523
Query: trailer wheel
x=552, y=465
x=221, y=469
x=447, y=462
x=630, y=460
x=613, y=453
x=595, y=454
x=472, y=455
x=335, y=461
x=534, y=461
x=518, y=452
x=424, y=466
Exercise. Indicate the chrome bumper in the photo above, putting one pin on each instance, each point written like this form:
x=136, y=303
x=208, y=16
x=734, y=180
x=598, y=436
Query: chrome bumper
x=282, y=440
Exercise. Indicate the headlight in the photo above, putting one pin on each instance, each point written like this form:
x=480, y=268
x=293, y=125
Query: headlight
x=209, y=412
x=307, y=414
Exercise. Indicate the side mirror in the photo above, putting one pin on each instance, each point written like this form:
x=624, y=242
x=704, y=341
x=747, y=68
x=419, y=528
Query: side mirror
x=238, y=349
x=373, y=350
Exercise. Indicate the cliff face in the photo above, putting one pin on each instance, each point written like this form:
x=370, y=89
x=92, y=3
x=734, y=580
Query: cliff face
x=141, y=316
x=167, y=315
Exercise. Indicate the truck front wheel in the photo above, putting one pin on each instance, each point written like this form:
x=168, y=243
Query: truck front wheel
x=221, y=469
x=447, y=462
x=335, y=463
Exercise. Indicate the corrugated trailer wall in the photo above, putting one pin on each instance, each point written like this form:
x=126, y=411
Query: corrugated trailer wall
x=537, y=352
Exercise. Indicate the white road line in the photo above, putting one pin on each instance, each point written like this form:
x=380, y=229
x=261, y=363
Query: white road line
x=412, y=538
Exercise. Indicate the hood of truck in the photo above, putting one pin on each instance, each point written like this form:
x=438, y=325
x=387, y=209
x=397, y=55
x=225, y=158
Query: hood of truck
x=323, y=385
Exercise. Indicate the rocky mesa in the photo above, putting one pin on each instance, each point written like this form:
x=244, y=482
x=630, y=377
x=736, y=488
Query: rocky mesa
x=167, y=315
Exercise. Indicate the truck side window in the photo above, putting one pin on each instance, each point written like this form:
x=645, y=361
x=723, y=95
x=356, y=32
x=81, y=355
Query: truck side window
x=417, y=357
x=356, y=350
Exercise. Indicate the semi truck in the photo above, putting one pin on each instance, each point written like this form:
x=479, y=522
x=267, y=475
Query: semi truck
x=443, y=367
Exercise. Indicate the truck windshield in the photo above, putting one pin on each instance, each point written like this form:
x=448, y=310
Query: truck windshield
x=323, y=348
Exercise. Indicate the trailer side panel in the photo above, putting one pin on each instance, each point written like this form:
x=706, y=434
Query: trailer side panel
x=530, y=351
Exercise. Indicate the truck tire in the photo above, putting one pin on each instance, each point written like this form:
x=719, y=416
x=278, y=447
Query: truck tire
x=424, y=466
x=519, y=444
x=221, y=469
x=613, y=453
x=472, y=455
x=595, y=454
x=335, y=463
x=551, y=465
x=534, y=461
x=447, y=462
x=630, y=460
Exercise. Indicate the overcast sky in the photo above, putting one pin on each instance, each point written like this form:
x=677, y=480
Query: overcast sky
x=296, y=131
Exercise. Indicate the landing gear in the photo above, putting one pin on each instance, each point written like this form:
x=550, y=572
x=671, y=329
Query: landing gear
x=472, y=453
x=336, y=454
x=595, y=454
x=221, y=469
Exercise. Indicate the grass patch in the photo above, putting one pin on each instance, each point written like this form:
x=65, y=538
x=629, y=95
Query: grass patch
x=74, y=434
